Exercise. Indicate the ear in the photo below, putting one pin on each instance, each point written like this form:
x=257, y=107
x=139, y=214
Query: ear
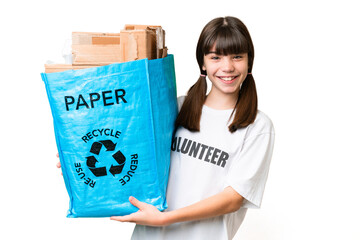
x=203, y=68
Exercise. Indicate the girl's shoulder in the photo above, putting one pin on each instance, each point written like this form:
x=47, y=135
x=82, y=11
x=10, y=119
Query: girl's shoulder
x=261, y=125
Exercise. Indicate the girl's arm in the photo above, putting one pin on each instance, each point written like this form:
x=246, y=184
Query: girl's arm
x=222, y=203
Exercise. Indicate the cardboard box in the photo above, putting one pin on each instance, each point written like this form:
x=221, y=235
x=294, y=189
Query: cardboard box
x=90, y=49
x=50, y=68
x=160, y=37
x=100, y=48
x=138, y=44
x=95, y=38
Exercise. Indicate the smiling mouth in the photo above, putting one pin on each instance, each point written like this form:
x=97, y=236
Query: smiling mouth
x=227, y=79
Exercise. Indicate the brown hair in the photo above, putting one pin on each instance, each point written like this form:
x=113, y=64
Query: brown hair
x=231, y=37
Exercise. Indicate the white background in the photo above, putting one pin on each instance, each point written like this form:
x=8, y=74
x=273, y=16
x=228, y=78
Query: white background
x=307, y=73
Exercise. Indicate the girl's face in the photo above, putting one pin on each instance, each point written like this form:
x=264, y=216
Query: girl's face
x=226, y=72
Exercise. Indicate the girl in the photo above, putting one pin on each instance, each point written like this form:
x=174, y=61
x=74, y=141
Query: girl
x=222, y=147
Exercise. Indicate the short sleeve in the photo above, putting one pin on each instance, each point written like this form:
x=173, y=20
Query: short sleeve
x=180, y=101
x=249, y=171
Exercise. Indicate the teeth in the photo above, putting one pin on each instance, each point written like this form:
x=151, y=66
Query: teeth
x=227, y=78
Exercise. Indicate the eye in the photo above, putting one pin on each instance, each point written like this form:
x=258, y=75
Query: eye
x=215, y=57
x=238, y=57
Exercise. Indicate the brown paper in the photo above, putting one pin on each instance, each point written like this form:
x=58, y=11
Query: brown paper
x=90, y=49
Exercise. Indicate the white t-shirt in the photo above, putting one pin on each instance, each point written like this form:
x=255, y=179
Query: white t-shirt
x=204, y=163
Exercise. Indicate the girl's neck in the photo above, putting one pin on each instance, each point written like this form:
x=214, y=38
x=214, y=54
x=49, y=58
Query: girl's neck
x=223, y=102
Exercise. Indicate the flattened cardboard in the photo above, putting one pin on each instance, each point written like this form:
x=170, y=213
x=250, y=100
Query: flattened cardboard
x=139, y=27
x=138, y=44
x=90, y=54
x=51, y=68
x=90, y=49
x=159, y=32
x=81, y=38
x=106, y=40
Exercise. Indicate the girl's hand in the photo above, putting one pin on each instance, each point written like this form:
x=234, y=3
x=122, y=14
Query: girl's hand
x=58, y=165
x=147, y=215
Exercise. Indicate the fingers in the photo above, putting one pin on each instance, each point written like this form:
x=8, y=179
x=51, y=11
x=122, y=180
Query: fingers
x=137, y=203
x=127, y=218
x=118, y=218
x=131, y=217
x=58, y=164
x=147, y=215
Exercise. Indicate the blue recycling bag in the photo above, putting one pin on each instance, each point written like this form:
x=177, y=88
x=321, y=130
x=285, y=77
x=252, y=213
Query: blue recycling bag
x=113, y=127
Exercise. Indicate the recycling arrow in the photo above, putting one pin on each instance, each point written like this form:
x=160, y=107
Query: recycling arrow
x=101, y=171
x=120, y=159
x=109, y=145
x=98, y=172
x=117, y=169
x=96, y=146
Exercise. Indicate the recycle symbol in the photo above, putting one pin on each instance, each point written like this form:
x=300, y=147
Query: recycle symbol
x=101, y=171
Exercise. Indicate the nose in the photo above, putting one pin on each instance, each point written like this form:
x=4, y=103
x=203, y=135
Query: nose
x=227, y=64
